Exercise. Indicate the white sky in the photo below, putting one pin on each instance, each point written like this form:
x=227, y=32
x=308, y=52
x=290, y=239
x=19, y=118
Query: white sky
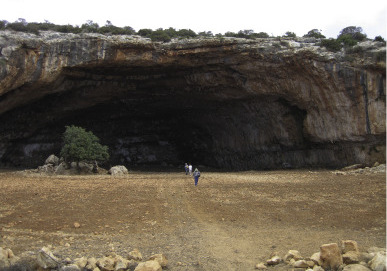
x=274, y=17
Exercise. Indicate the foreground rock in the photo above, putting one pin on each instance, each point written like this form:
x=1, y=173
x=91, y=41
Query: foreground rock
x=118, y=171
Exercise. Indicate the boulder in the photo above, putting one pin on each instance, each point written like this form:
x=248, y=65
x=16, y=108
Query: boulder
x=260, y=266
x=121, y=264
x=300, y=264
x=349, y=245
x=160, y=258
x=70, y=267
x=378, y=263
x=46, y=259
x=4, y=262
x=356, y=267
x=330, y=256
x=274, y=260
x=351, y=257
x=292, y=254
x=118, y=171
x=52, y=160
x=135, y=254
x=106, y=264
x=91, y=263
x=81, y=262
x=148, y=266
x=316, y=258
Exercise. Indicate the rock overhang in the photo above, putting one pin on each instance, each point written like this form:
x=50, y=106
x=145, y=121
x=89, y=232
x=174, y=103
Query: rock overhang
x=234, y=103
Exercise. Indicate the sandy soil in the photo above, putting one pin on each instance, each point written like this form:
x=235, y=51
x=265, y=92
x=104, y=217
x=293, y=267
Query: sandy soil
x=231, y=221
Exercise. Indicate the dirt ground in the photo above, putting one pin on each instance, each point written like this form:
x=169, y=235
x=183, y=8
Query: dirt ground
x=230, y=221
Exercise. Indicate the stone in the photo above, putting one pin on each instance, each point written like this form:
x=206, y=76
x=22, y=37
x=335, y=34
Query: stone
x=135, y=254
x=121, y=264
x=148, y=266
x=91, y=263
x=52, y=160
x=355, y=267
x=81, y=262
x=349, y=245
x=292, y=254
x=4, y=262
x=316, y=258
x=106, y=263
x=300, y=264
x=118, y=171
x=260, y=266
x=70, y=267
x=318, y=268
x=77, y=225
x=330, y=256
x=160, y=258
x=46, y=259
x=351, y=257
x=274, y=260
x=378, y=263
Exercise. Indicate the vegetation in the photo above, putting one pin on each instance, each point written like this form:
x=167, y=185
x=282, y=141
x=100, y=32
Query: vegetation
x=314, y=33
x=347, y=38
x=82, y=146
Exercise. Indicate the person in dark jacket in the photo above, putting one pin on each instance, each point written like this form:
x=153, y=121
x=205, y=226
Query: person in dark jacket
x=186, y=168
x=196, y=176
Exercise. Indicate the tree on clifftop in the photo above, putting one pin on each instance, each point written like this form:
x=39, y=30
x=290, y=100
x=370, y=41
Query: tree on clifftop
x=80, y=145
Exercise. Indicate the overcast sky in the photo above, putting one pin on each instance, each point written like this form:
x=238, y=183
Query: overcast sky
x=274, y=17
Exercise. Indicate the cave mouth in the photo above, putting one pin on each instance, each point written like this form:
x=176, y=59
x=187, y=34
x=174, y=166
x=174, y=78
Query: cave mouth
x=160, y=117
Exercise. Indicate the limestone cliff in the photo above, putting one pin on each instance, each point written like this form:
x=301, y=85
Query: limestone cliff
x=229, y=103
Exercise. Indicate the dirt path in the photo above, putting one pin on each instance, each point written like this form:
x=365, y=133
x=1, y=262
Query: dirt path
x=231, y=221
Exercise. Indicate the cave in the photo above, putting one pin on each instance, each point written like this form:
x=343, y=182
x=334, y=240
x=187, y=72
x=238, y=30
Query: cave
x=224, y=104
x=158, y=116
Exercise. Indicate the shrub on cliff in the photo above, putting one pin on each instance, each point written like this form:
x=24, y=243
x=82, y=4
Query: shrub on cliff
x=80, y=145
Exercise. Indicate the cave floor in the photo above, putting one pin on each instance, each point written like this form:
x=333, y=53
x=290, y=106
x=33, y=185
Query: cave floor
x=230, y=221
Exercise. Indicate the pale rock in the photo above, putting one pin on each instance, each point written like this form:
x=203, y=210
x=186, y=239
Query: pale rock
x=366, y=257
x=52, y=160
x=135, y=255
x=121, y=264
x=292, y=254
x=91, y=263
x=46, y=259
x=4, y=262
x=77, y=225
x=71, y=267
x=300, y=264
x=330, y=256
x=375, y=250
x=355, y=267
x=316, y=258
x=160, y=258
x=318, y=268
x=106, y=263
x=378, y=263
x=148, y=266
x=274, y=260
x=260, y=266
x=81, y=262
x=118, y=171
x=349, y=245
x=351, y=257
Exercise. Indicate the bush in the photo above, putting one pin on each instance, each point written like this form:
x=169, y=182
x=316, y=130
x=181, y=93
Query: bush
x=347, y=40
x=331, y=44
x=379, y=38
x=314, y=33
x=160, y=35
x=290, y=35
x=145, y=32
x=80, y=145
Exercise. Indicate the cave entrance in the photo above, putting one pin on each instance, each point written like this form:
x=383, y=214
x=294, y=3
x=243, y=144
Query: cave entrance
x=163, y=116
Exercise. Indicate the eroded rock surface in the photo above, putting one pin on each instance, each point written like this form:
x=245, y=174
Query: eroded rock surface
x=230, y=103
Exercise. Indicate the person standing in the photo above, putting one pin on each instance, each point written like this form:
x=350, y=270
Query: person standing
x=196, y=176
x=186, y=168
x=190, y=169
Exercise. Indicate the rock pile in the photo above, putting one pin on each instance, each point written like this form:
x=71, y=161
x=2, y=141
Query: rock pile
x=56, y=165
x=46, y=260
x=346, y=257
x=361, y=169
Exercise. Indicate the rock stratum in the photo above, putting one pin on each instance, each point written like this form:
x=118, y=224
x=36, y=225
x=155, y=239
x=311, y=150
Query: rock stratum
x=226, y=103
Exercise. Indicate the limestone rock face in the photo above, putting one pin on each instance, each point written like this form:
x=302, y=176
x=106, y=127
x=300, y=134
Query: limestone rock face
x=230, y=103
x=330, y=256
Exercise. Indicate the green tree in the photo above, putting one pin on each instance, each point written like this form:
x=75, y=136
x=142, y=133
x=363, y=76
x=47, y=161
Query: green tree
x=353, y=31
x=289, y=34
x=160, y=35
x=314, y=33
x=145, y=32
x=80, y=145
x=332, y=45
